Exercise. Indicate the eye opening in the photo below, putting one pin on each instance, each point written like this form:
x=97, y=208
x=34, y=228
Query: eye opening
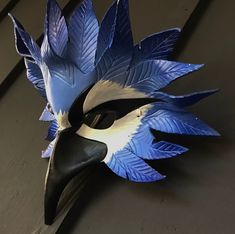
x=102, y=119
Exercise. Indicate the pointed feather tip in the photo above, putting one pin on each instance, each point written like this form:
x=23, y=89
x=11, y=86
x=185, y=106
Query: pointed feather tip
x=123, y=3
x=85, y=4
x=88, y=3
x=44, y=155
x=16, y=23
x=53, y=4
x=214, y=133
x=158, y=177
x=197, y=66
x=211, y=91
x=182, y=148
x=155, y=178
x=177, y=29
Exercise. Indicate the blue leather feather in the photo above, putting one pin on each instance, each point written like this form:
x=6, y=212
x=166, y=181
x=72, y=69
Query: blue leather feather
x=123, y=39
x=141, y=140
x=29, y=46
x=83, y=33
x=112, y=65
x=152, y=75
x=66, y=83
x=183, y=100
x=163, y=149
x=157, y=46
x=34, y=75
x=21, y=48
x=52, y=131
x=106, y=32
x=144, y=145
x=46, y=115
x=56, y=28
x=166, y=118
x=129, y=166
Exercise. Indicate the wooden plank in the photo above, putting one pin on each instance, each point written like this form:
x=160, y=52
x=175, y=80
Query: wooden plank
x=22, y=171
x=3, y=3
x=5, y=7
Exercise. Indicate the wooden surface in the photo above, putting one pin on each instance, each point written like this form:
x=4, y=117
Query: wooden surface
x=3, y=3
x=198, y=195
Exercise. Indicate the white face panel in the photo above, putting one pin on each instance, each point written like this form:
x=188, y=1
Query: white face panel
x=104, y=91
x=119, y=134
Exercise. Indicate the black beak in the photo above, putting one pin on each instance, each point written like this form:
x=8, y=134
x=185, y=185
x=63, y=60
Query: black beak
x=71, y=155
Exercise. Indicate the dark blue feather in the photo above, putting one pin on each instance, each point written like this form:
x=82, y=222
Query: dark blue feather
x=157, y=46
x=184, y=100
x=106, y=32
x=163, y=149
x=52, y=131
x=123, y=39
x=56, y=28
x=113, y=64
x=152, y=75
x=25, y=45
x=83, y=34
x=21, y=48
x=131, y=167
x=34, y=75
x=167, y=118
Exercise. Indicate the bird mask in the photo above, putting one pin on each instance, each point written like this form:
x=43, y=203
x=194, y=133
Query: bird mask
x=103, y=95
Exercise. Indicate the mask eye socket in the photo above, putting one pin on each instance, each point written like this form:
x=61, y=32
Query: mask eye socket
x=102, y=119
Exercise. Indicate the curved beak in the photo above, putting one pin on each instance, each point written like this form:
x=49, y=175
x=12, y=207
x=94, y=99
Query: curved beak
x=72, y=153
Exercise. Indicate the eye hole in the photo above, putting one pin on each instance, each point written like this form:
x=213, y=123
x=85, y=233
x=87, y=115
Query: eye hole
x=100, y=120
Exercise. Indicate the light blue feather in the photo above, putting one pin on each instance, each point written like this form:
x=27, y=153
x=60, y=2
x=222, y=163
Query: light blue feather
x=83, y=33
